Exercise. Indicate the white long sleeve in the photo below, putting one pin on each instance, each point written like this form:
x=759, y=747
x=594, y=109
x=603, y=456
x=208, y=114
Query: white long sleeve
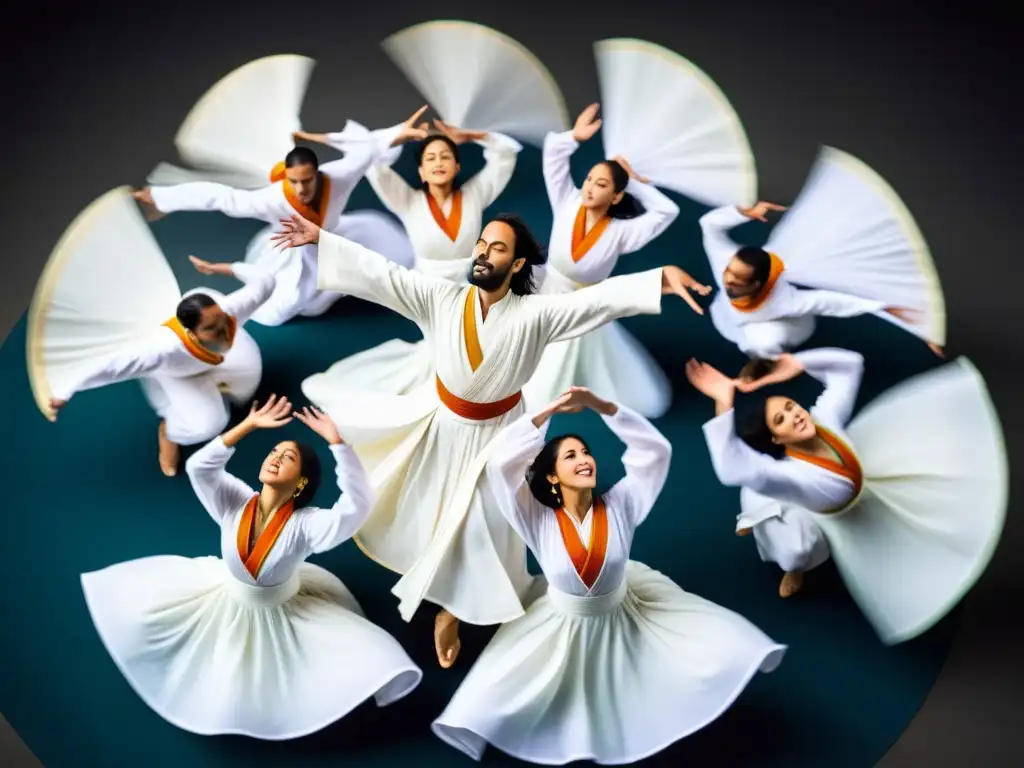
x=831, y=304
x=515, y=448
x=500, y=155
x=347, y=267
x=558, y=148
x=263, y=204
x=647, y=460
x=659, y=213
x=131, y=363
x=718, y=246
x=566, y=316
x=258, y=287
x=324, y=529
x=840, y=370
x=219, y=492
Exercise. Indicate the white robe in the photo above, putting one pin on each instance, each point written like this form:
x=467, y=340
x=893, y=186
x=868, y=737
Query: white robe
x=786, y=319
x=614, y=672
x=608, y=361
x=435, y=520
x=295, y=292
x=922, y=529
x=397, y=366
x=214, y=651
x=187, y=393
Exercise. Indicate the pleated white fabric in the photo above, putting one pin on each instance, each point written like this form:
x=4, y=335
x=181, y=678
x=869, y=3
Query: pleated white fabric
x=212, y=655
x=612, y=679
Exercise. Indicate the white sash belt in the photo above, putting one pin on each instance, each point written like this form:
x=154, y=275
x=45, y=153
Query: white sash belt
x=263, y=597
x=591, y=605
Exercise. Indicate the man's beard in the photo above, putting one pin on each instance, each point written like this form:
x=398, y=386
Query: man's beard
x=489, y=280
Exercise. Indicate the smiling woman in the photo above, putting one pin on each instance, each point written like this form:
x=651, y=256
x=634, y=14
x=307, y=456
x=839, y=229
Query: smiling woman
x=194, y=637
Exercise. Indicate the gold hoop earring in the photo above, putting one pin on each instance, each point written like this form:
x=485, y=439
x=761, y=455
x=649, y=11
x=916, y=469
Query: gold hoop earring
x=299, y=487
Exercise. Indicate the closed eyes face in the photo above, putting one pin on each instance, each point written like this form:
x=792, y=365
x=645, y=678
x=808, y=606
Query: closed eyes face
x=738, y=279
x=494, y=256
x=575, y=468
x=283, y=466
x=303, y=180
x=598, y=190
x=212, y=330
x=437, y=165
x=789, y=422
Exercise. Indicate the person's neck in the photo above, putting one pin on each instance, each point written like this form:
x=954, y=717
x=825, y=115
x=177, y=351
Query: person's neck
x=489, y=298
x=272, y=499
x=577, y=503
x=440, y=192
x=594, y=215
x=814, y=445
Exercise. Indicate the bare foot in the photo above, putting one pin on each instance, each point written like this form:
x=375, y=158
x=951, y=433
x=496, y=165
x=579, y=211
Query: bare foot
x=446, y=638
x=744, y=531
x=791, y=583
x=170, y=453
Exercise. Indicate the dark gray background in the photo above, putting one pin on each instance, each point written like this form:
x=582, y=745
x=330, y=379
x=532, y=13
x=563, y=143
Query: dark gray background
x=922, y=92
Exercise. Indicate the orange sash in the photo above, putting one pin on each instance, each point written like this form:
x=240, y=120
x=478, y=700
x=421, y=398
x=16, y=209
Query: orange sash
x=750, y=303
x=469, y=333
x=309, y=214
x=848, y=466
x=583, y=241
x=253, y=560
x=197, y=350
x=475, y=411
x=451, y=224
x=588, y=562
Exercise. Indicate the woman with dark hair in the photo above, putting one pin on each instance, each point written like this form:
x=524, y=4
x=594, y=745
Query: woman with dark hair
x=443, y=218
x=615, y=662
x=259, y=643
x=614, y=213
x=911, y=494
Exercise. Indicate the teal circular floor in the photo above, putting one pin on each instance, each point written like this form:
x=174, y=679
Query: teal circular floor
x=87, y=492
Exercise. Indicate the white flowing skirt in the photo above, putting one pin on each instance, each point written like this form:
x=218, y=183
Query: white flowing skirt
x=934, y=500
x=396, y=367
x=212, y=655
x=785, y=534
x=613, y=679
x=610, y=362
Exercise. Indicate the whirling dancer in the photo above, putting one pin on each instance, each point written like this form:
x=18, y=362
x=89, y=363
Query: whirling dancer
x=472, y=76
x=850, y=245
x=100, y=316
x=435, y=520
x=696, y=147
x=911, y=493
x=245, y=124
x=615, y=662
x=257, y=642
x=785, y=534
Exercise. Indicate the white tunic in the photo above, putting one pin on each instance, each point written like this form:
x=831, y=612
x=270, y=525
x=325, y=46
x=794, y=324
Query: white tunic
x=933, y=499
x=398, y=367
x=185, y=391
x=614, y=672
x=786, y=319
x=214, y=650
x=434, y=521
x=608, y=361
x=295, y=292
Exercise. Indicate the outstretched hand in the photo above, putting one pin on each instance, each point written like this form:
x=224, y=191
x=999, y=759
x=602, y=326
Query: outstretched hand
x=674, y=280
x=710, y=381
x=295, y=233
x=209, y=268
x=459, y=135
x=760, y=210
x=320, y=423
x=578, y=398
x=55, y=405
x=785, y=367
x=276, y=412
x=629, y=169
x=587, y=124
